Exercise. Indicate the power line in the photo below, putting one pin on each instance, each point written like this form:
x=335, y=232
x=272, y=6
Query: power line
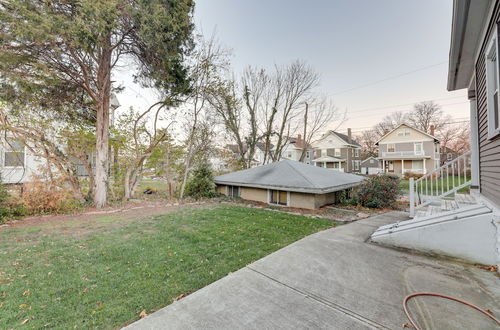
x=358, y=129
x=408, y=110
x=388, y=78
x=407, y=104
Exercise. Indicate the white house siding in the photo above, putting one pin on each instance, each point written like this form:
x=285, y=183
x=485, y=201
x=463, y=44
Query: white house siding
x=20, y=174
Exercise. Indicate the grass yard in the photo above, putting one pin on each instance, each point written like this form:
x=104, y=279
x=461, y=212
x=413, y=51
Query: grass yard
x=104, y=274
x=405, y=185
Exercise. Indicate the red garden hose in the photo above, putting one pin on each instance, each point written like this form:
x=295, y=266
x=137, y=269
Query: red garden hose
x=405, y=302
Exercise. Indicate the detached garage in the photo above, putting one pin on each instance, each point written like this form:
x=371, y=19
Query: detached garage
x=287, y=183
x=371, y=166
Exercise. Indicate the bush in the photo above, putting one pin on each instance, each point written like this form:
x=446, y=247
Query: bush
x=414, y=175
x=40, y=196
x=9, y=206
x=379, y=191
x=201, y=184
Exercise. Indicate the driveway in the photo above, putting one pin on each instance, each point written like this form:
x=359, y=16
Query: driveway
x=336, y=280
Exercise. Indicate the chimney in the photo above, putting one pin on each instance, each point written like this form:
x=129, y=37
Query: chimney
x=432, y=129
x=349, y=136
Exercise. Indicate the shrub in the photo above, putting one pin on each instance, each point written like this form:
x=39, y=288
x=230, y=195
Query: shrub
x=201, y=184
x=414, y=175
x=379, y=191
x=9, y=206
x=44, y=196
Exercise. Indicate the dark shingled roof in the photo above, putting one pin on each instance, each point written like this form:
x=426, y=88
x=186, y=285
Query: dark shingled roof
x=346, y=139
x=290, y=175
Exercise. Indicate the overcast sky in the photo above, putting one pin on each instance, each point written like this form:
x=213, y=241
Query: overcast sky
x=353, y=44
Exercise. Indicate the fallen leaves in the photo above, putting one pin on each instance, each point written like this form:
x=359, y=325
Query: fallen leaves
x=26, y=292
x=25, y=321
x=407, y=325
x=143, y=314
x=179, y=297
x=490, y=268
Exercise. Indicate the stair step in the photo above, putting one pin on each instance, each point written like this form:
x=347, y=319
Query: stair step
x=465, y=199
x=449, y=205
x=431, y=210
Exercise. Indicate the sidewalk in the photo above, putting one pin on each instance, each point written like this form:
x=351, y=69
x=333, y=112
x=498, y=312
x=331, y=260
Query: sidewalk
x=336, y=280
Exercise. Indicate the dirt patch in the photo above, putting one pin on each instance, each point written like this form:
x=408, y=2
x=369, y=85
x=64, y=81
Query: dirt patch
x=92, y=218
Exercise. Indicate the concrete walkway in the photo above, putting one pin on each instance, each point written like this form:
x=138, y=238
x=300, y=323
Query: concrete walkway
x=336, y=280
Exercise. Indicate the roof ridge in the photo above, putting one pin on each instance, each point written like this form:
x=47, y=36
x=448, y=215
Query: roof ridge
x=295, y=170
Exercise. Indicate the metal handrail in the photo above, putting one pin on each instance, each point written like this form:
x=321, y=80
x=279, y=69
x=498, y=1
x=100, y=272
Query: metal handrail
x=439, y=183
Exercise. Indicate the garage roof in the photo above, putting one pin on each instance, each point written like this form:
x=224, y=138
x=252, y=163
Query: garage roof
x=290, y=175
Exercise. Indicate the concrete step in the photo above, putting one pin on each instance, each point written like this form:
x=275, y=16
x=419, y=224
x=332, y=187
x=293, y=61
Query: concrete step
x=441, y=216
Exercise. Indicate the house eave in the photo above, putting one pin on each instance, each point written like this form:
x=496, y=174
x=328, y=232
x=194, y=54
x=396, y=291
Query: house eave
x=317, y=191
x=469, y=22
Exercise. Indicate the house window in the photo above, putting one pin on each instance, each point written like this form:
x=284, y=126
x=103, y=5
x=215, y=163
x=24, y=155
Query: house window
x=278, y=197
x=391, y=147
x=14, y=153
x=324, y=152
x=336, y=165
x=337, y=152
x=492, y=86
x=356, y=152
x=233, y=191
x=356, y=165
x=418, y=148
x=417, y=165
x=449, y=156
x=308, y=155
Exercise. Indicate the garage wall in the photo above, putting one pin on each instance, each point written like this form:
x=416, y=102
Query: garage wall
x=301, y=200
x=253, y=194
x=325, y=199
x=222, y=190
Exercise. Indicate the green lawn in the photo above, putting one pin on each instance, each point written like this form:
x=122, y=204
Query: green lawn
x=104, y=274
x=405, y=185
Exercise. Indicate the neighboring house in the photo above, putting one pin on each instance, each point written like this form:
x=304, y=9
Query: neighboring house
x=259, y=153
x=448, y=154
x=446, y=221
x=407, y=149
x=338, y=151
x=287, y=183
x=293, y=148
x=371, y=166
x=18, y=164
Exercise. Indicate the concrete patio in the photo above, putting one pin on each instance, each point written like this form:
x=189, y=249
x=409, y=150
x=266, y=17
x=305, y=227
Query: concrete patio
x=336, y=280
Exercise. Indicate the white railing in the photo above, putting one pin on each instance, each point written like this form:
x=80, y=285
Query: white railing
x=402, y=153
x=443, y=181
x=414, y=170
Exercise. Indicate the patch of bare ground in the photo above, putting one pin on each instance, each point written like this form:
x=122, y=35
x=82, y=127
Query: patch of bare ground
x=92, y=219
x=338, y=213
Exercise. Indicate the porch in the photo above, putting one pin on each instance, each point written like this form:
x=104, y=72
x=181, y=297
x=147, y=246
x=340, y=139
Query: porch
x=402, y=166
x=330, y=162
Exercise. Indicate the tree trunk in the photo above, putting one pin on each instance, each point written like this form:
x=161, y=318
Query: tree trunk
x=102, y=129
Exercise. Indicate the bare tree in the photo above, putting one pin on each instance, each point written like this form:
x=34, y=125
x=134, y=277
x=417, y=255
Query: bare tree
x=389, y=122
x=207, y=63
x=292, y=86
x=145, y=136
x=427, y=114
x=367, y=139
x=317, y=116
x=455, y=137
